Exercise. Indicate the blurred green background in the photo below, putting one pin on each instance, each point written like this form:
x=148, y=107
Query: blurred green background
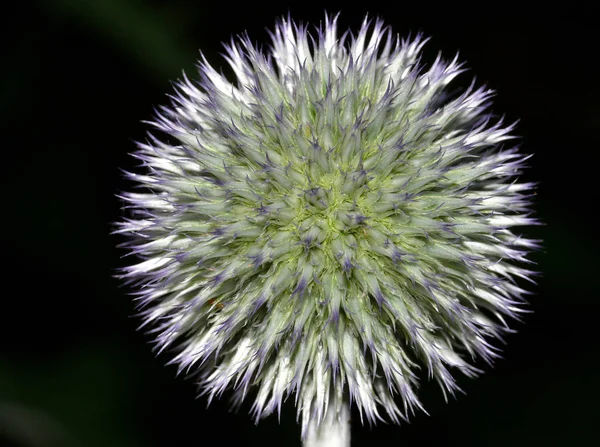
x=77, y=79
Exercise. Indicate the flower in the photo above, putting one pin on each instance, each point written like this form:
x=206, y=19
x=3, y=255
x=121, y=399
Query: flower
x=328, y=224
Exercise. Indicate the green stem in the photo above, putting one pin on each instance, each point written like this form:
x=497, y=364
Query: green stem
x=334, y=430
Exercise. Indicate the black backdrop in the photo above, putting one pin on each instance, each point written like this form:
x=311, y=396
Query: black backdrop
x=77, y=79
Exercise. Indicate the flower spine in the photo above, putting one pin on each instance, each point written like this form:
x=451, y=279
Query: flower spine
x=328, y=224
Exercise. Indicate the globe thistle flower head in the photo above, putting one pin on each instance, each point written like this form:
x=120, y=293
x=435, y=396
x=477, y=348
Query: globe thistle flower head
x=328, y=224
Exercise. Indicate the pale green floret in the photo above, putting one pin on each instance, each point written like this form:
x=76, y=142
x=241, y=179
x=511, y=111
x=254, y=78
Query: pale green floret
x=328, y=224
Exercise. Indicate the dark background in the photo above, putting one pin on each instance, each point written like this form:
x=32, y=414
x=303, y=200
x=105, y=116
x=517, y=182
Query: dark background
x=78, y=78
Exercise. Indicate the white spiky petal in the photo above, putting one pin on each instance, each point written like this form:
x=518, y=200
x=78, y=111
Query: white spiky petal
x=327, y=224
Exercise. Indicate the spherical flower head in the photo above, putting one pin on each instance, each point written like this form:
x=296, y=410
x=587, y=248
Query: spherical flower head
x=328, y=224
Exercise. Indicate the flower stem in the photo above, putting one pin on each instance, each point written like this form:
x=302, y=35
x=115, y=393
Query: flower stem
x=334, y=430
